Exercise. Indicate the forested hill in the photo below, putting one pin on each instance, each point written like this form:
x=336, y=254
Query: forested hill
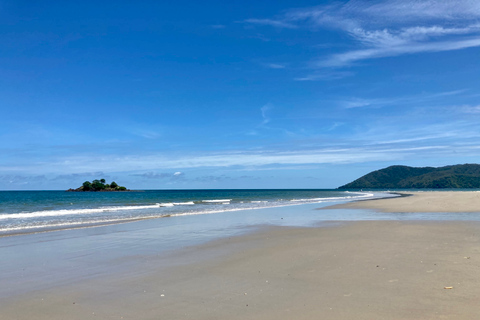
x=99, y=185
x=404, y=177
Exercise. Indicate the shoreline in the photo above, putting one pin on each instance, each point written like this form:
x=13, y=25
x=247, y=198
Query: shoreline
x=70, y=211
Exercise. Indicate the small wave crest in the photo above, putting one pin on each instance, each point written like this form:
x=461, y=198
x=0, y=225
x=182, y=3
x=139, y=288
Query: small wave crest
x=361, y=195
x=172, y=204
x=222, y=201
x=64, y=212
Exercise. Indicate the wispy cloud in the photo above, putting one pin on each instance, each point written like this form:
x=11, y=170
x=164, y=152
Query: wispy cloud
x=274, y=65
x=265, y=113
x=230, y=159
x=83, y=175
x=159, y=176
x=354, y=13
x=325, y=76
x=23, y=180
x=347, y=58
x=469, y=109
x=335, y=125
x=383, y=150
x=356, y=102
x=213, y=178
x=401, y=10
x=272, y=22
x=389, y=28
x=391, y=140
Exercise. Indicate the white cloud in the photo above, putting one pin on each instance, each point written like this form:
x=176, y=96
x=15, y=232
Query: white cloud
x=420, y=33
x=18, y=179
x=397, y=37
x=344, y=59
x=157, y=176
x=357, y=103
x=388, y=150
x=391, y=12
x=272, y=22
x=265, y=110
x=390, y=28
x=275, y=65
x=470, y=109
x=335, y=125
x=248, y=159
x=401, y=10
x=391, y=141
x=325, y=76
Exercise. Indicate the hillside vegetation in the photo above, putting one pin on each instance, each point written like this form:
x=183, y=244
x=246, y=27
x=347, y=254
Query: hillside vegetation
x=404, y=177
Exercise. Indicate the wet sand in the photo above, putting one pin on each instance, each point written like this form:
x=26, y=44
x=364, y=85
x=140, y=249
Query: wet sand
x=357, y=270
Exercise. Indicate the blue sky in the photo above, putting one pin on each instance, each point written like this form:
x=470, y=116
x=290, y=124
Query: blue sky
x=210, y=94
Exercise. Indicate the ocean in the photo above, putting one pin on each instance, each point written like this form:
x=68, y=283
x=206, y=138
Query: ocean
x=35, y=211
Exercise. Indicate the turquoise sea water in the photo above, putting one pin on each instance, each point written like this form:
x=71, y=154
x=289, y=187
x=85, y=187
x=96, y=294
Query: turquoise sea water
x=30, y=211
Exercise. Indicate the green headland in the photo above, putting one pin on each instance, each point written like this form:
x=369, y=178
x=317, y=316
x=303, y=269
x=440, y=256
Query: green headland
x=403, y=177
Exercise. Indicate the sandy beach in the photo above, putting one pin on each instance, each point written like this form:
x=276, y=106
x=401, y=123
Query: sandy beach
x=342, y=270
x=434, y=201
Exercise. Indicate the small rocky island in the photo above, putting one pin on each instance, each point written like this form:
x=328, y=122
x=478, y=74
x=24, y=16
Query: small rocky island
x=99, y=185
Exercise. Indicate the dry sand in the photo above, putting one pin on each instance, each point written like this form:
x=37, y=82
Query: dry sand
x=357, y=270
x=435, y=201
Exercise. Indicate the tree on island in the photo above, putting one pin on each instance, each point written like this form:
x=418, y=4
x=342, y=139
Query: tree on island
x=99, y=185
x=87, y=186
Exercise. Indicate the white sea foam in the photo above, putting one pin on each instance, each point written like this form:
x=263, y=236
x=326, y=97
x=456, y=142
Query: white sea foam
x=167, y=204
x=361, y=195
x=64, y=212
x=74, y=224
x=215, y=211
x=172, y=204
x=277, y=205
x=274, y=204
x=218, y=201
